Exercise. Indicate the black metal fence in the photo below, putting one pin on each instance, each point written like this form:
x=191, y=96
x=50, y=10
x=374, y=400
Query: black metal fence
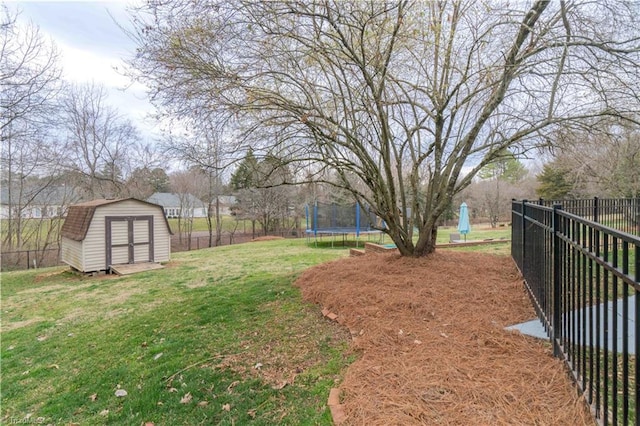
x=584, y=281
x=622, y=214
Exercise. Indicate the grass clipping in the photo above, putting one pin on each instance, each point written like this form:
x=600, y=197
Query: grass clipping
x=433, y=347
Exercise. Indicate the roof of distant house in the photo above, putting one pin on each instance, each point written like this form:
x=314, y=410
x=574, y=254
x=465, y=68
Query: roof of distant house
x=227, y=199
x=51, y=195
x=168, y=199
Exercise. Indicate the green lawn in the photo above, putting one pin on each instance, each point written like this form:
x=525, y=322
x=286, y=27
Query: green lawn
x=478, y=233
x=217, y=337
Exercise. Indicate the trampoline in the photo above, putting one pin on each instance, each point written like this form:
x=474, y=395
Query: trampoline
x=340, y=220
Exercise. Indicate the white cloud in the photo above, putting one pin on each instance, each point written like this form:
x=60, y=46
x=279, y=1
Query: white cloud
x=93, y=50
x=129, y=98
x=81, y=65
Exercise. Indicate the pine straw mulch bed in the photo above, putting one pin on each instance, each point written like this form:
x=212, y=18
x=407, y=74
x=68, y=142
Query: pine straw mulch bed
x=432, y=344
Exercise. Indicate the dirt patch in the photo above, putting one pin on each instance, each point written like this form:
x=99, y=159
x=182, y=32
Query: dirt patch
x=56, y=288
x=48, y=275
x=433, y=346
x=285, y=346
x=19, y=324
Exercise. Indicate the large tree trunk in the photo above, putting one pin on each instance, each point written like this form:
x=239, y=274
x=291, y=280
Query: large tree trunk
x=426, y=242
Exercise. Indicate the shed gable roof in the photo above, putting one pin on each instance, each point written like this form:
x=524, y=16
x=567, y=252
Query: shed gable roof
x=79, y=217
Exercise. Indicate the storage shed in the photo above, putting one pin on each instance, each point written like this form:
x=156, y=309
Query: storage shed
x=100, y=234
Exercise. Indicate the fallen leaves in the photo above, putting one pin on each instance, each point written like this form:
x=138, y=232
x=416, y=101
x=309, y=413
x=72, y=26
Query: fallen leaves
x=226, y=407
x=232, y=385
x=186, y=398
x=280, y=385
x=93, y=397
x=431, y=296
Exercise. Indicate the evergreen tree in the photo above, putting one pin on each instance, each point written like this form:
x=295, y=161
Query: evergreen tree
x=506, y=168
x=555, y=183
x=246, y=175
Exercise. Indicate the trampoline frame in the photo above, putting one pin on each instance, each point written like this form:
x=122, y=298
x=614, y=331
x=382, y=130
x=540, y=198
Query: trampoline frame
x=337, y=231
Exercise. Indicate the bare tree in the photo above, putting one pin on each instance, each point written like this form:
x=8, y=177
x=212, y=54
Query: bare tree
x=29, y=84
x=145, y=173
x=145, y=181
x=603, y=160
x=184, y=184
x=205, y=151
x=401, y=95
x=99, y=141
x=499, y=184
x=488, y=204
x=29, y=77
x=261, y=192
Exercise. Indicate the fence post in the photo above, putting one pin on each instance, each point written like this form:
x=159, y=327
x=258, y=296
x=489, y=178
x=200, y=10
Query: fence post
x=28, y=260
x=636, y=214
x=557, y=266
x=595, y=209
x=523, y=239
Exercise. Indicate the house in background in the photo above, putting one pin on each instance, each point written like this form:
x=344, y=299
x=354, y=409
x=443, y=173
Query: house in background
x=179, y=205
x=37, y=202
x=227, y=202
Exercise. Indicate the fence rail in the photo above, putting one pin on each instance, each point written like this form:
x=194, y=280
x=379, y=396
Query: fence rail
x=584, y=281
x=29, y=259
x=13, y=260
x=622, y=214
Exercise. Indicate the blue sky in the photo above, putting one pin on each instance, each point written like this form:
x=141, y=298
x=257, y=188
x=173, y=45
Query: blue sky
x=93, y=48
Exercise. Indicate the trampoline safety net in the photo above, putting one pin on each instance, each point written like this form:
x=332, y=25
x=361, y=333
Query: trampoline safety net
x=340, y=218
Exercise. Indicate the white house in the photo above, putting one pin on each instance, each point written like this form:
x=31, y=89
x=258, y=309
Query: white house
x=36, y=202
x=179, y=205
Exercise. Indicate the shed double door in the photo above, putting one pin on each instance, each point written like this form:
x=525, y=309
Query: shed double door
x=129, y=239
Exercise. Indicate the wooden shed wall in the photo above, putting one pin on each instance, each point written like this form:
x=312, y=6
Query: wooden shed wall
x=94, y=243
